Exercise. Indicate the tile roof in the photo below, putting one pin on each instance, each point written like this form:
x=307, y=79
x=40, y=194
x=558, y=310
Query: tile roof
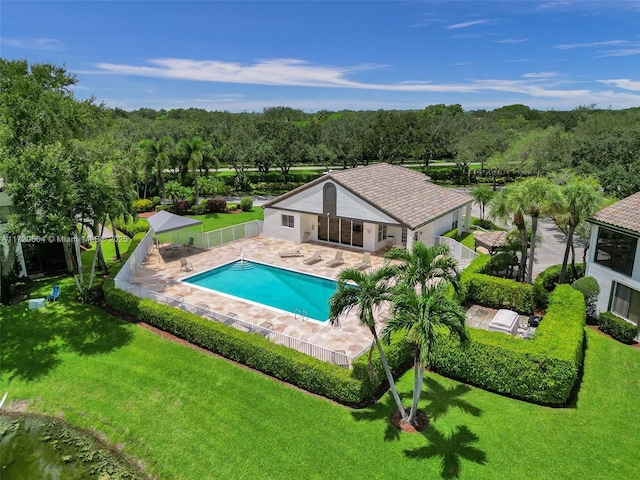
x=403, y=194
x=623, y=214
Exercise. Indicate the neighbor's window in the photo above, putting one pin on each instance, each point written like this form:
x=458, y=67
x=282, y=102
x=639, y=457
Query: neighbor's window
x=616, y=250
x=625, y=302
x=382, y=232
x=403, y=236
x=287, y=221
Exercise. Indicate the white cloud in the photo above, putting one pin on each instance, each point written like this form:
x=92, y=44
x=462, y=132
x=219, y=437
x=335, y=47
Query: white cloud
x=512, y=41
x=540, y=75
x=626, y=52
x=472, y=23
x=294, y=72
x=46, y=44
x=570, y=46
x=624, y=83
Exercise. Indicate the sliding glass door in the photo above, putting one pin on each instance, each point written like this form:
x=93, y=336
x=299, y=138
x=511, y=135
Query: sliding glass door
x=340, y=231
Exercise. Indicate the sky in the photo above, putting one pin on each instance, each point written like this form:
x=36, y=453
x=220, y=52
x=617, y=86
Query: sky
x=323, y=55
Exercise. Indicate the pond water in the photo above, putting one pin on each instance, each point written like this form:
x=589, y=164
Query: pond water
x=35, y=448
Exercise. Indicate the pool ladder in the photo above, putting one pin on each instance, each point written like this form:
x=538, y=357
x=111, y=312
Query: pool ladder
x=301, y=315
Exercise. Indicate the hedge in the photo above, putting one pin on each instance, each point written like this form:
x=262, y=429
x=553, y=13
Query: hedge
x=542, y=370
x=494, y=292
x=352, y=387
x=618, y=328
x=546, y=281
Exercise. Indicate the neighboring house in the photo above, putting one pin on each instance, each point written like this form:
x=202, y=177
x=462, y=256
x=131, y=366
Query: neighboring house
x=368, y=208
x=614, y=257
x=33, y=258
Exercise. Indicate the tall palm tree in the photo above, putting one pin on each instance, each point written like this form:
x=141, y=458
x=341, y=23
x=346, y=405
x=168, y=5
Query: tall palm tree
x=422, y=265
x=367, y=292
x=509, y=204
x=539, y=197
x=582, y=199
x=424, y=316
x=155, y=157
x=192, y=153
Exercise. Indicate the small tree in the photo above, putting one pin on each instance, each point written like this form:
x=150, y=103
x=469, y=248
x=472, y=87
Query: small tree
x=482, y=195
x=590, y=290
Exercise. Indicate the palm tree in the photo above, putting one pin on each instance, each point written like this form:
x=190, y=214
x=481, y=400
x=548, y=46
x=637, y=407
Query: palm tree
x=192, y=153
x=508, y=204
x=482, y=195
x=155, y=158
x=424, y=316
x=367, y=292
x=422, y=265
x=540, y=197
x=582, y=199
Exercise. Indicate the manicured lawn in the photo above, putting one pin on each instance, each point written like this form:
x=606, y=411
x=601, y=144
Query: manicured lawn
x=190, y=415
x=214, y=221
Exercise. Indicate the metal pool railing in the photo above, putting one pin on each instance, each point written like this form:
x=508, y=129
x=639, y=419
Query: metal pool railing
x=337, y=357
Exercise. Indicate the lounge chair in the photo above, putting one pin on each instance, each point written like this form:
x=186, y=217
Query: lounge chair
x=55, y=294
x=291, y=253
x=189, y=244
x=337, y=260
x=315, y=258
x=365, y=263
x=186, y=265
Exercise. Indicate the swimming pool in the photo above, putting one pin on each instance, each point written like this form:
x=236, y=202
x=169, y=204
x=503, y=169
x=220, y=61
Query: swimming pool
x=286, y=290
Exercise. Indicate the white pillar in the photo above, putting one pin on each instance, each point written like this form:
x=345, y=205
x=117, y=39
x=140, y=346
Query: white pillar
x=467, y=222
x=409, y=239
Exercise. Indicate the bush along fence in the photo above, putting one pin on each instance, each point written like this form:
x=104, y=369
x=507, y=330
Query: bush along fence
x=352, y=387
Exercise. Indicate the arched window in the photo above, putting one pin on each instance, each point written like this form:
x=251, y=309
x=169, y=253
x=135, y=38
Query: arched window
x=329, y=200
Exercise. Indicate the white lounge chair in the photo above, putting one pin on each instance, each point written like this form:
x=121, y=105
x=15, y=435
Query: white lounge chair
x=365, y=263
x=186, y=265
x=337, y=260
x=315, y=258
x=291, y=253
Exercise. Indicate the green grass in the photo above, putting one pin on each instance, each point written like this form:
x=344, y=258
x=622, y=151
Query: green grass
x=465, y=239
x=190, y=415
x=214, y=221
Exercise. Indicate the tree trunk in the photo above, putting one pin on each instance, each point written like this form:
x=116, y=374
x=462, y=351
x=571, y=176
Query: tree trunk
x=7, y=260
x=565, y=260
x=534, y=229
x=387, y=370
x=418, y=377
x=115, y=238
x=523, y=252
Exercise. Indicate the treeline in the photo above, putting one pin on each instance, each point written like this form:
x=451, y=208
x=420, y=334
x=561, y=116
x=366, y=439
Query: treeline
x=510, y=140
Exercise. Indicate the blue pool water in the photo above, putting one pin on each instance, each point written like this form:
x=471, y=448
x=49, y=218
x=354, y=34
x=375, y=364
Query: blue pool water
x=272, y=286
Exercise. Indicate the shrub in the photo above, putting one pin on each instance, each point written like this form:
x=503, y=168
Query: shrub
x=199, y=209
x=132, y=227
x=160, y=208
x=590, y=290
x=618, y=328
x=493, y=291
x=246, y=204
x=542, y=370
x=156, y=200
x=181, y=207
x=142, y=205
x=546, y=281
x=216, y=205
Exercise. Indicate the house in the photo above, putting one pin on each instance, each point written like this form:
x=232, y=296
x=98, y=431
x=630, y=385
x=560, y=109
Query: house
x=369, y=208
x=614, y=257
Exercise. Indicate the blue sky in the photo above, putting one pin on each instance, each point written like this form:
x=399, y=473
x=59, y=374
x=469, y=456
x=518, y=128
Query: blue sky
x=245, y=56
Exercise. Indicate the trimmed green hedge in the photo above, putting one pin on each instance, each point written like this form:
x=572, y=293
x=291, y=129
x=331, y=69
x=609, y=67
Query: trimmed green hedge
x=542, y=370
x=352, y=387
x=483, y=289
x=546, y=281
x=618, y=328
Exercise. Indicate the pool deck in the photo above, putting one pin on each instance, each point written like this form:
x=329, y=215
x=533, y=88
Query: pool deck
x=161, y=273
